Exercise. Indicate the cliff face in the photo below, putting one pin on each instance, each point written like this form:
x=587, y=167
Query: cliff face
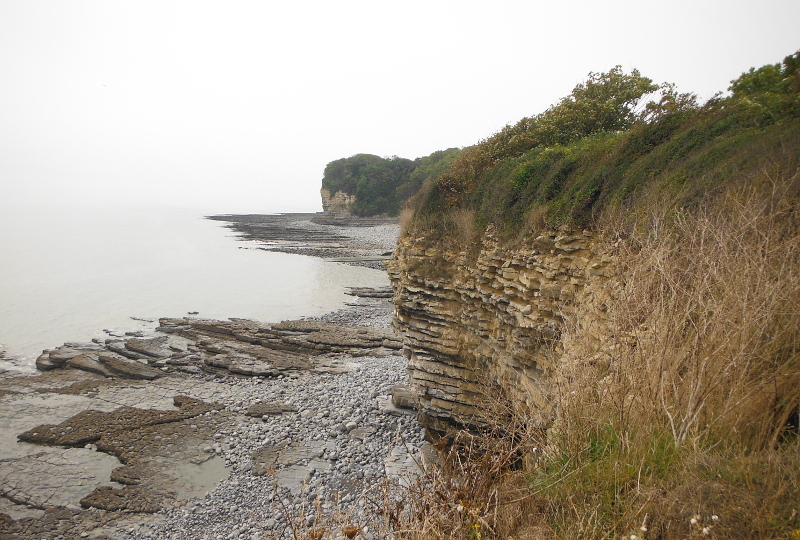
x=336, y=205
x=475, y=323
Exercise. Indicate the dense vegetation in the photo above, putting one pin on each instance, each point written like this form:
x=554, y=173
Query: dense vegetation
x=607, y=145
x=382, y=185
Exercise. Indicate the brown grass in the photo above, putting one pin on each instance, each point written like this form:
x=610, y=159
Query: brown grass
x=690, y=404
x=478, y=489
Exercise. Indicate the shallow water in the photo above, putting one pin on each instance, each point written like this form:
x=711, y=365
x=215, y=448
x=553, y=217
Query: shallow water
x=67, y=274
x=201, y=478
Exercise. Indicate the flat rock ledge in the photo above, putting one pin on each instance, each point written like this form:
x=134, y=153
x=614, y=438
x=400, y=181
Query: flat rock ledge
x=352, y=240
x=239, y=347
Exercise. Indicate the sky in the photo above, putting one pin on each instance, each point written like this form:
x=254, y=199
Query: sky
x=238, y=106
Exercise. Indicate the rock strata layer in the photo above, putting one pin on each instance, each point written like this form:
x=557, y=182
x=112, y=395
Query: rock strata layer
x=480, y=322
x=237, y=347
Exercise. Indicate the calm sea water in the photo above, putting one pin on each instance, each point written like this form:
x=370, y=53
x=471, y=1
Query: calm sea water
x=68, y=274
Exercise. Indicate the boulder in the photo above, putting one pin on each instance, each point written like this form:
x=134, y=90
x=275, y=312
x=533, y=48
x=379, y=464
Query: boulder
x=43, y=363
x=403, y=398
x=90, y=363
x=128, y=369
x=154, y=347
x=259, y=410
x=60, y=355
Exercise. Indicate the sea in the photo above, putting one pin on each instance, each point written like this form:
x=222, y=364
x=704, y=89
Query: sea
x=77, y=274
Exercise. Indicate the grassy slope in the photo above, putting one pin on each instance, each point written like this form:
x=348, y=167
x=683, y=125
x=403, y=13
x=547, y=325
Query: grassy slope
x=678, y=161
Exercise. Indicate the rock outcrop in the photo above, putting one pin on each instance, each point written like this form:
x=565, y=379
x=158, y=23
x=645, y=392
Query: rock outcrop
x=474, y=322
x=336, y=205
x=236, y=347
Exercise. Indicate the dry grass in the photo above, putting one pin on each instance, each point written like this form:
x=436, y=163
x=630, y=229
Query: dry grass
x=690, y=405
x=478, y=488
x=535, y=219
x=406, y=218
x=706, y=329
x=457, y=224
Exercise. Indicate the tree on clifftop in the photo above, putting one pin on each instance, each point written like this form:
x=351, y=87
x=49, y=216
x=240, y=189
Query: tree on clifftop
x=606, y=102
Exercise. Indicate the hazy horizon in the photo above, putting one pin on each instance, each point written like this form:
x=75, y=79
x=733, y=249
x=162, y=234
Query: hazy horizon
x=239, y=106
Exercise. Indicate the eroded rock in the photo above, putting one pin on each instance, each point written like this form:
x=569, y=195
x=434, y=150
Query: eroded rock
x=476, y=323
x=91, y=426
x=259, y=410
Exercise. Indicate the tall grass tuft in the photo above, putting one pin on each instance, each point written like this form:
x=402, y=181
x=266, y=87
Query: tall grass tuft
x=689, y=406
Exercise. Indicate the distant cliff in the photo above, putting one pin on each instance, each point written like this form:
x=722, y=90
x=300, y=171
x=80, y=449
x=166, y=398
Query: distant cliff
x=367, y=185
x=336, y=205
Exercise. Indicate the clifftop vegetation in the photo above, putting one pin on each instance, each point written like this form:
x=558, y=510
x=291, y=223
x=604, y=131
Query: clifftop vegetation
x=615, y=143
x=679, y=418
x=382, y=185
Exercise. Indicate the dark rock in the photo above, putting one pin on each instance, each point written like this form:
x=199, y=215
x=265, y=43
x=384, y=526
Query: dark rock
x=254, y=368
x=369, y=292
x=192, y=370
x=153, y=347
x=219, y=360
x=126, y=475
x=43, y=363
x=90, y=363
x=119, y=348
x=392, y=344
x=259, y=410
x=8, y=526
x=105, y=427
x=264, y=460
x=403, y=398
x=128, y=498
x=84, y=345
x=60, y=355
x=127, y=368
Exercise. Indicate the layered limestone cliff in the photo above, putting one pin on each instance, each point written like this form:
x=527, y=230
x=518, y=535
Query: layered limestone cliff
x=336, y=205
x=476, y=322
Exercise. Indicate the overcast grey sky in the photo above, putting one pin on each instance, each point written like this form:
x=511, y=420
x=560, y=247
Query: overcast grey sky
x=238, y=105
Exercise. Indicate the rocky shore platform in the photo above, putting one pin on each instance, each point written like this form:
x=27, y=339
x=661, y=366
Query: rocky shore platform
x=358, y=241
x=210, y=429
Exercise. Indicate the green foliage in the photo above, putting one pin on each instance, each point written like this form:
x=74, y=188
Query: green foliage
x=343, y=174
x=606, y=102
x=428, y=168
x=606, y=146
x=382, y=185
x=770, y=92
x=757, y=81
x=376, y=187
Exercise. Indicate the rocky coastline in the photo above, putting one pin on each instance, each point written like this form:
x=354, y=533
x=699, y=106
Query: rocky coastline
x=215, y=429
x=358, y=241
